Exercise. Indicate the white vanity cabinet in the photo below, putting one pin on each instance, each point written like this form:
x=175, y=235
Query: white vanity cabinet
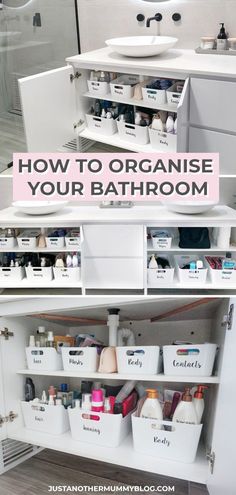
x=55, y=103
x=212, y=321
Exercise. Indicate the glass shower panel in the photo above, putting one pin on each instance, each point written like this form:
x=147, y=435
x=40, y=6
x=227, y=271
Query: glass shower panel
x=35, y=36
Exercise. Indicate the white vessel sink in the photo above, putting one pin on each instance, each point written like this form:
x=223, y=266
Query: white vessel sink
x=9, y=38
x=142, y=46
x=39, y=207
x=190, y=208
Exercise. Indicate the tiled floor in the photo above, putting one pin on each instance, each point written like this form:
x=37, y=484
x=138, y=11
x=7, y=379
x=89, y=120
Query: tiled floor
x=34, y=476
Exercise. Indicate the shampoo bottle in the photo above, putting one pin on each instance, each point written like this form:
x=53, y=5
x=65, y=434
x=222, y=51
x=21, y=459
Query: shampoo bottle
x=198, y=401
x=152, y=408
x=185, y=411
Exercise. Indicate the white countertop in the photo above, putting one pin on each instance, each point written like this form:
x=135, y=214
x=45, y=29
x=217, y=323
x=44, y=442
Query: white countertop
x=145, y=215
x=178, y=61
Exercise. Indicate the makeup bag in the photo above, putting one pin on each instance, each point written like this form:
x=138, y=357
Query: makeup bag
x=108, y=362
x=194, y=238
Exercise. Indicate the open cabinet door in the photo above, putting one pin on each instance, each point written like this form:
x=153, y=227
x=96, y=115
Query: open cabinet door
x=222, y=481
x=3, y=429
x=49, y=109
x=183, y=119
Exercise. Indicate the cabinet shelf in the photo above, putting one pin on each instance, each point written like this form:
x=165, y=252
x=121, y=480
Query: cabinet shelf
x=124, y=455
x=174, y=247
x=123, y=377
x=116, y=141
x=132, y=101
x=40, y=250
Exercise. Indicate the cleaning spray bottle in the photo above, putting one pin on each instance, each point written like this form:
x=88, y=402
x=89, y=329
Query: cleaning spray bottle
x=198, y=401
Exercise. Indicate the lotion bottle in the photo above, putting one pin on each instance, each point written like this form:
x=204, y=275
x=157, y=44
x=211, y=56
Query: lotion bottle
x=185, y=411
x=198, y=401
x=152, y=262
x=152, y=408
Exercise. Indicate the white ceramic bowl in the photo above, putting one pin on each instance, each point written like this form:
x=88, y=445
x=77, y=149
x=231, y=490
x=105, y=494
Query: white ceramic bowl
x=39, y=207
x=190, y=208
x=142, y=46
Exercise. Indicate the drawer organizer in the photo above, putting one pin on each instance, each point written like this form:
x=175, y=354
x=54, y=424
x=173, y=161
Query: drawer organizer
x=67, y=274
x=179, y=442
x=191, y=360
x=101, y=125
x=162, y=141
x=7, y=242
x=123, y=86
x=80, y=359
x=187, y=276
x=73, y=240
x=157, y=96
x=108, y=430
x=43, y=358
x=160, y=277
x=98, y=88
x=133, y=133
x=12, y=273
x=45, y=418
x=44, y=273
x=222, y=277
x=138, y=359
x=160, y=241
x=28, y=239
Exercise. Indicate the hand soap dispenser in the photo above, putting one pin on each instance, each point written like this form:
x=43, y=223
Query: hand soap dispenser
x=222, y=38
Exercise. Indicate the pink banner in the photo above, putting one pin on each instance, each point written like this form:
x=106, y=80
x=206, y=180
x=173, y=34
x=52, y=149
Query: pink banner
x=116, y=176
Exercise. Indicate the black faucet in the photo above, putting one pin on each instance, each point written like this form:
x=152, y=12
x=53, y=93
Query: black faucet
x=37, y=19
x=157, y=17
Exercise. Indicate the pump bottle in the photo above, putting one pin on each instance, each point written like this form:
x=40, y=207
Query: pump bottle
x=185, y=411
x=152, y=408
x=198, y=401
x=222, y=38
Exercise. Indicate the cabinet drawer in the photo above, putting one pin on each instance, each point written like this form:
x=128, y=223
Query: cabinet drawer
x=204, y=141
x=113, y=240
x=213, y=104
x=113, y=273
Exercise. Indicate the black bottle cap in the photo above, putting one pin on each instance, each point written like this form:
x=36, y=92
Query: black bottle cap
x=113, y=311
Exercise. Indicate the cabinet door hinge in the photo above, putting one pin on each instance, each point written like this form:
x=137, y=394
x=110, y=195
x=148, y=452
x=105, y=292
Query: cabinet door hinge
x=6, y=334
x=8, y=419
x=211, y=457
x=228, y=319
x=74, y=76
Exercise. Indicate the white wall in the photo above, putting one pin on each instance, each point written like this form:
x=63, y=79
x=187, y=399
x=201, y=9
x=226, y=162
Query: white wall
x=104, y=19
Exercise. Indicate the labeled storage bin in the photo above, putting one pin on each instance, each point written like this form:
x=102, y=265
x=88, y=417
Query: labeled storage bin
x=67, y=274
x=133, y=133
x=80, y=358
x=189, y=360
x=187, y=276
x=123, y=86
x=222, y=277
x=44, y=274
x=173, y=97
x=138, y=359
x=44, y=418
x=7, y=242
x=178, y=442
x=162, y=141
x=73, y=241
x=161, y=277
x=12, y=273
x=160, y=239
x=55, y=242
x=28, y=239
x=98, y=88
x=43, y=359
x=151, y=95
x=107, y=430
x=101, y=125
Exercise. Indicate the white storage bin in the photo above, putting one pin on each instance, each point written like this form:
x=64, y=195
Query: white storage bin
x=28, y=239
x=178, y=444
x=160, y=277
x=80, y=358
x=138, y=359
x=190, y=277
x=98, y=88
x=108, y=430
x=222, y=277
x=157, y=96
x=101, y=125
x=12, y=273
x=55, y=242
x=7, y=242
x=67, y=274
x=133, y=133
x=44, y=418
x=189, y=360
x=160, y=243
x=123, y=86
x=162, y=141
x=43, y=358
x=173, y=98
x=73, y=242
x=44, y=274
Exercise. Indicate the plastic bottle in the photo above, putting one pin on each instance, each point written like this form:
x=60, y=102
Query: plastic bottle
x=86, y=402
x=221, y=41
x=125, y=391
x=170, y=124
x=97, y=401
x=75, y=261
x=152, y=408
x=42, y=337
x=228, y=263
x=50, y=340
x=29, y=390
x=185, y=411
x=198, y=401
x=32, y=341
x=152, y=262
x=175, y=125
